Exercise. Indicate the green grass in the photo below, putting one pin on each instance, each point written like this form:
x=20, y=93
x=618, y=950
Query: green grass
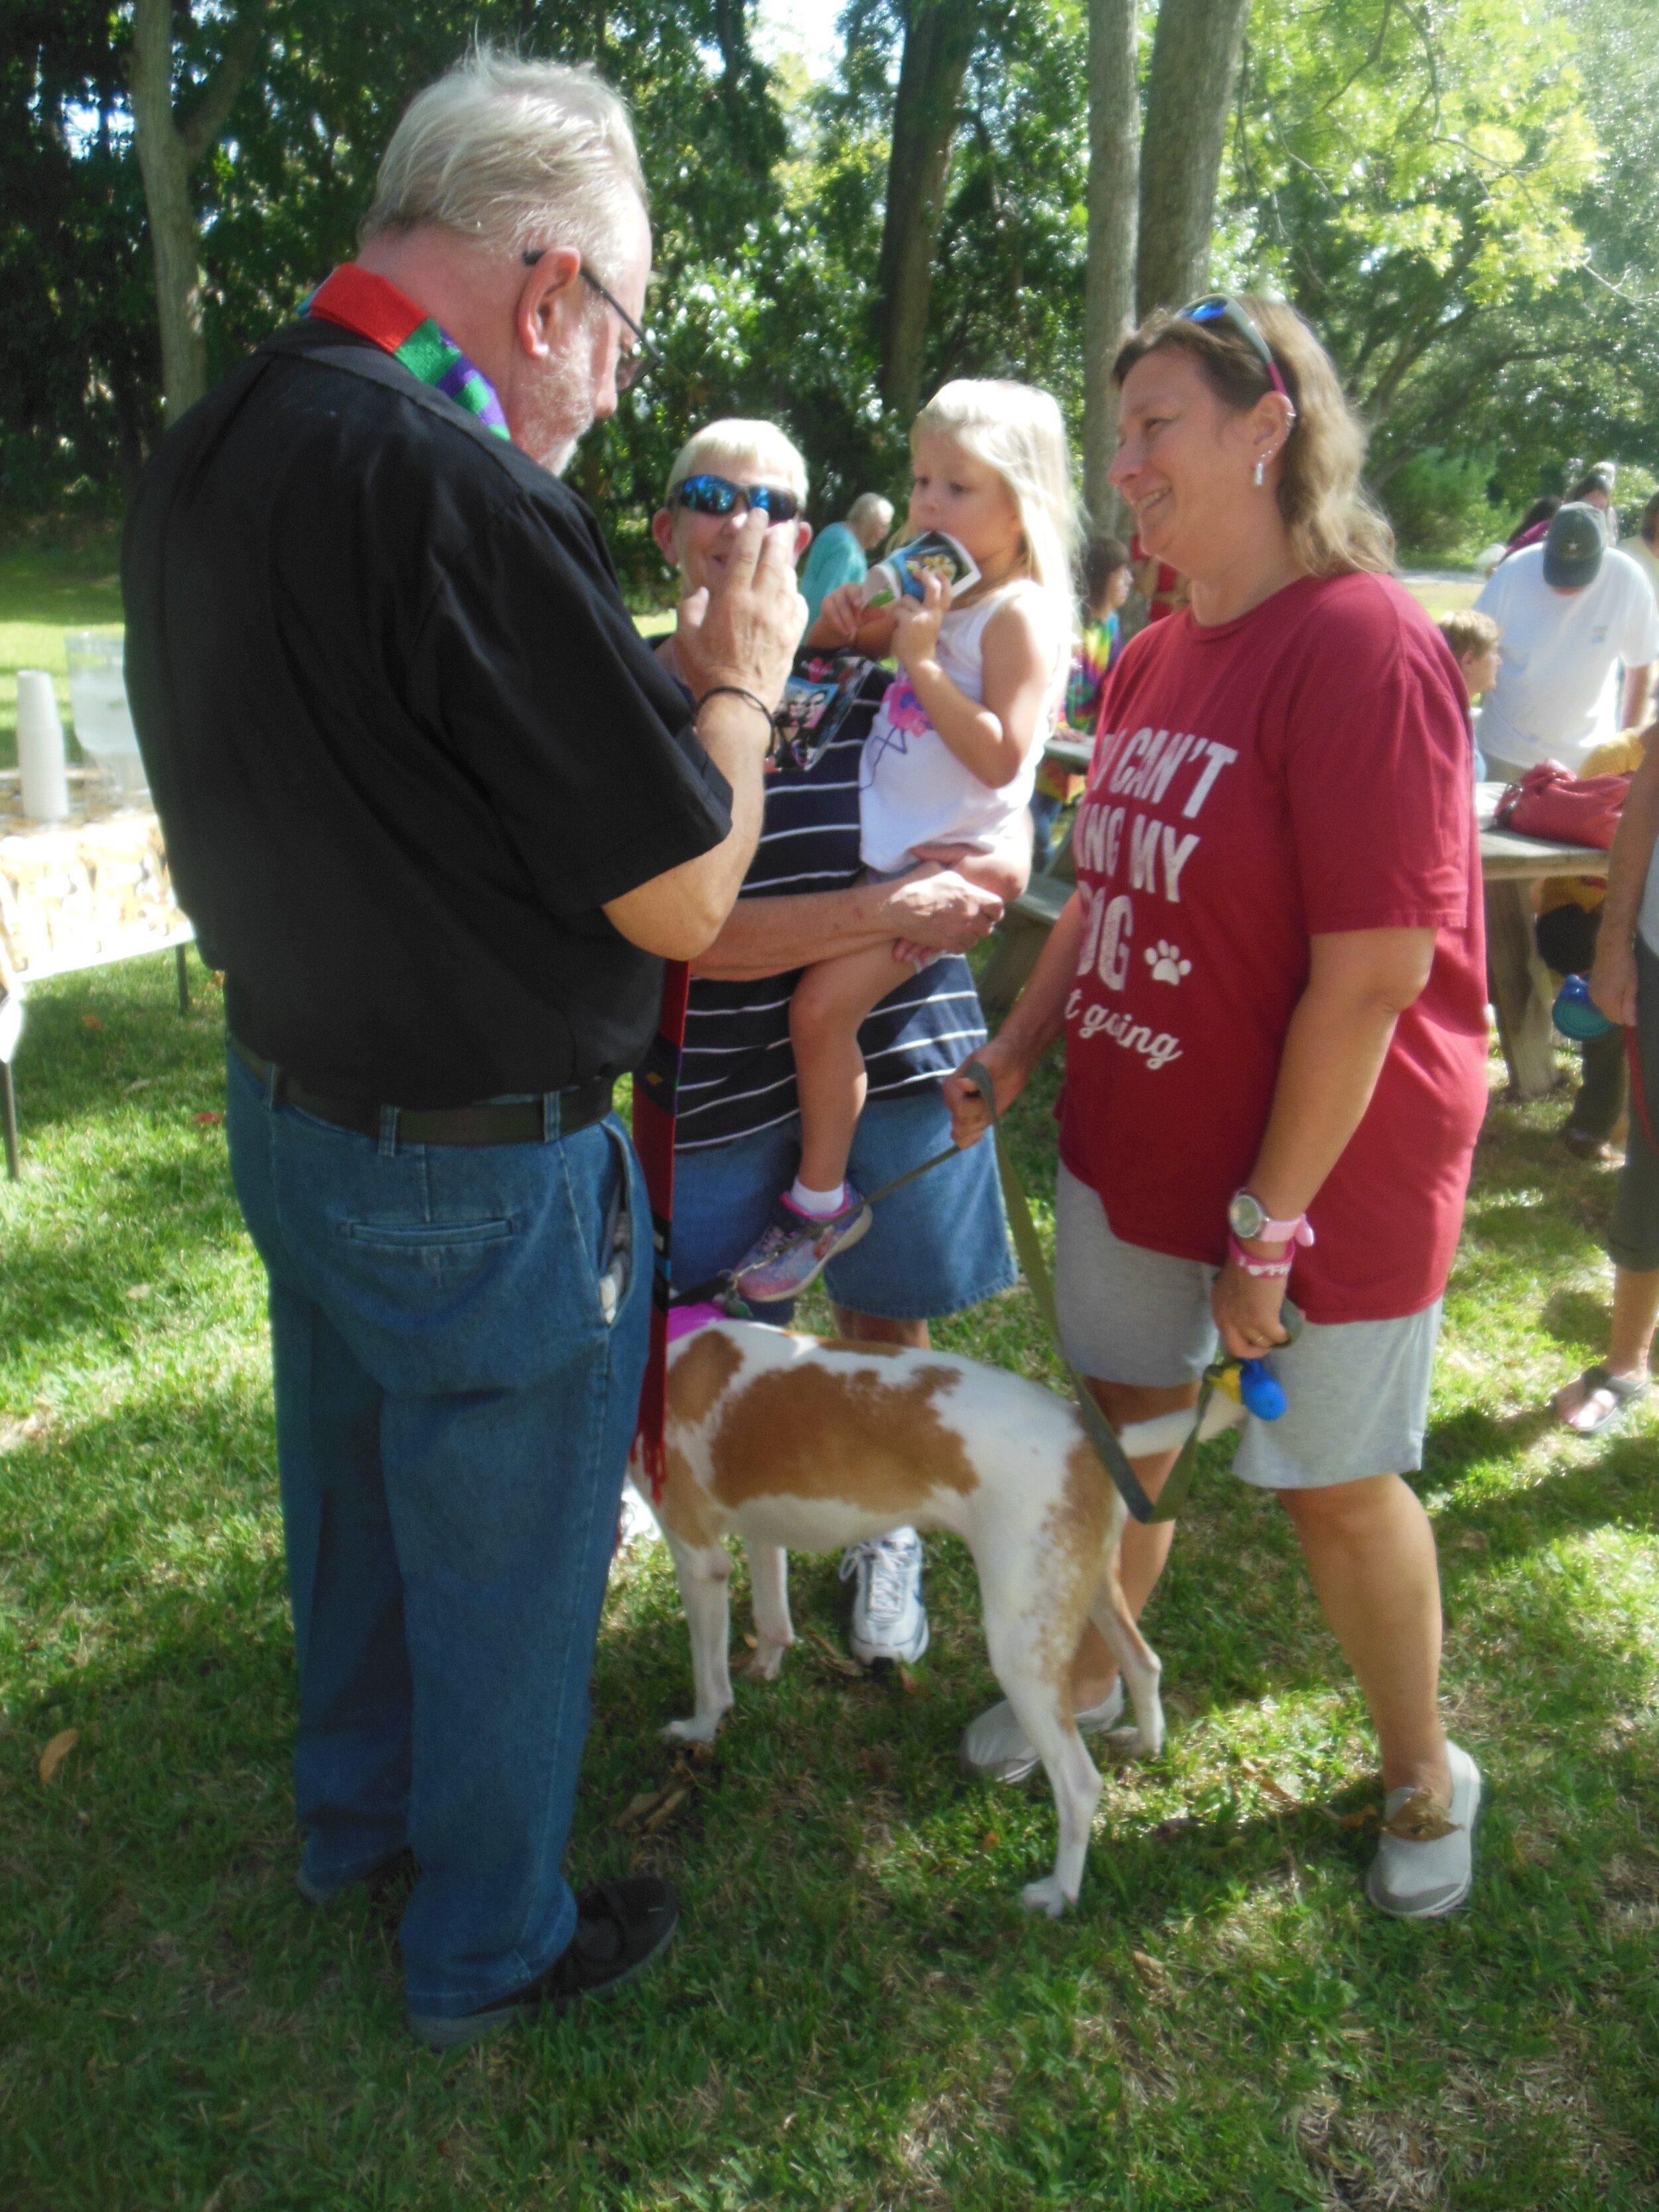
x=857, y=2014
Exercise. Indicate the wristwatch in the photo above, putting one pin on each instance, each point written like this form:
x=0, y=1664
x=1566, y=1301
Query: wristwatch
x=1249, y=1220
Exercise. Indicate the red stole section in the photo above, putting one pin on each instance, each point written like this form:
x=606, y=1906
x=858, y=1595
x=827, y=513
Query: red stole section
x=656, y=1084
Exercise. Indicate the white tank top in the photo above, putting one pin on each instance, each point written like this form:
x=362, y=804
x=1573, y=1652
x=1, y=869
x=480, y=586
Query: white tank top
x=915, y=790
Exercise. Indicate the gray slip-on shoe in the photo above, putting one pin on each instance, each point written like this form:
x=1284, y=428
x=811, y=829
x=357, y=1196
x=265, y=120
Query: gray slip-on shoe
x=1424, y=1862
x=996, y=1749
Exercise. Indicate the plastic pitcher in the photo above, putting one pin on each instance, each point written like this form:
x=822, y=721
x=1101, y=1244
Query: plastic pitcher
x=98, y=699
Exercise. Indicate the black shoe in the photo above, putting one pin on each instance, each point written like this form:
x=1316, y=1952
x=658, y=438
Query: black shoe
x=621, y=1927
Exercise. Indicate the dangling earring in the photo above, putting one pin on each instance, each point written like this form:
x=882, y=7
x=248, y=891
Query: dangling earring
x=1261, y=462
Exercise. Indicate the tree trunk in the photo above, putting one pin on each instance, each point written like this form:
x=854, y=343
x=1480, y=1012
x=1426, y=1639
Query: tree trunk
x=1109, y=283
x=168, y=149
x=1196, y=51
x=938, y=41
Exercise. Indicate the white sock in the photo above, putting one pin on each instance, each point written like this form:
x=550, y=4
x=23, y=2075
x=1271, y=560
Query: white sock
x=818, y=1203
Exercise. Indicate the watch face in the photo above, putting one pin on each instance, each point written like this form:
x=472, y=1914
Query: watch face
x=1244, y=1216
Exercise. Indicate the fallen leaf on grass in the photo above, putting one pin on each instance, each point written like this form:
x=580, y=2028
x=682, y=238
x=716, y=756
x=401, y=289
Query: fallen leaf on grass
x=652, y=1809
x=664, y=1811
x=1366, y=1817
x=991, y=1840
x=138, y=1289
x=753, y=1642
x=91, y=1022
x=143, y=1082
x=1166, y=1831
x=831, y=1657
x=208, y=1120
x=1151, y=1970
x=1270, y=1784
x=912, y=1687
x=56, y=1753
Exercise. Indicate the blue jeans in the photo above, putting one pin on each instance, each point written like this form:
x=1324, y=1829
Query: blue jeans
x=453, y=1417
x=936, y=1246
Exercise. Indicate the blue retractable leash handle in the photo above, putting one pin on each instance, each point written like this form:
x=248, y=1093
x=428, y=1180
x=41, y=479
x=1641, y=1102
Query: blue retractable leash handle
x=1261, y=1390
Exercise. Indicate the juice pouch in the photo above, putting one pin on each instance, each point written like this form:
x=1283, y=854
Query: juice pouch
x=899, y=576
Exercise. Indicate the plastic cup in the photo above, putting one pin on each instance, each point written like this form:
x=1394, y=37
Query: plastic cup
x=40, y=748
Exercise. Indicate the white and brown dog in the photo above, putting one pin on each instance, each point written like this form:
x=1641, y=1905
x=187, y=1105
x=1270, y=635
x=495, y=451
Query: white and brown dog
x=796, y=1443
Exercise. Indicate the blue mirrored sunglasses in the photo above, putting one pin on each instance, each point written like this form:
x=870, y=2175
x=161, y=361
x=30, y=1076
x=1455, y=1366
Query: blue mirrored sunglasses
x=709, y=494
x=1221, y=308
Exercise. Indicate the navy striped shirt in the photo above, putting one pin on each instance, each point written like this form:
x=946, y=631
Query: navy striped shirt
x=736, y=1074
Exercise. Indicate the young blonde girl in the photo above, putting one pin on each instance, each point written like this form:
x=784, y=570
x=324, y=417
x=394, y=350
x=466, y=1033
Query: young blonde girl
x=950, y=759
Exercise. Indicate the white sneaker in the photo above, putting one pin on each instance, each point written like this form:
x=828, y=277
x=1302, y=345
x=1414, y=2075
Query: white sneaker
x=890, y=1621
x=1419, y=1876
x=638, y=1524
x=996, y=1747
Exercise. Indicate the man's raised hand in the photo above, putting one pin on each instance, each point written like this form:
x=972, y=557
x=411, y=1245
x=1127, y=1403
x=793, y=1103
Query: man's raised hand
x=743, y=630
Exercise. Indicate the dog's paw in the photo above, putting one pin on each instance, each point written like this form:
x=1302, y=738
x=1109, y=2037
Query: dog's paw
x=692, y=1731
x=1134, y=1743
x=768, y=1662
x=1046, y=1896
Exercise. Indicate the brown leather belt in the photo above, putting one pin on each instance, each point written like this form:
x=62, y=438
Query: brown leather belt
x=523, y=1122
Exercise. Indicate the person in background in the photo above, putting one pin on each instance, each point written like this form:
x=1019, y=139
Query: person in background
x=1107, y=578
x=1568, y=609
x=1473, y=640
x=1625, y=984
x=1643, y=548
x=1595, y=488
x=840, y=555
x=1157, y=583
x=1569, y=922
x=1534, y=523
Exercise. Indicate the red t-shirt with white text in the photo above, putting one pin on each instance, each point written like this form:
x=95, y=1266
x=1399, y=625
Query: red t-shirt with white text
x=1303, y=769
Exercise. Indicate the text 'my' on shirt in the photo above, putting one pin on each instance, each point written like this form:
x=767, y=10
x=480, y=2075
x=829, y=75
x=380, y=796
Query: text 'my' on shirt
x=737, y=1072
x=1300, y=771
x=403, y=736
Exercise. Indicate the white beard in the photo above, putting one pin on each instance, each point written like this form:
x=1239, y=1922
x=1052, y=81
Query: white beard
x=563, y=417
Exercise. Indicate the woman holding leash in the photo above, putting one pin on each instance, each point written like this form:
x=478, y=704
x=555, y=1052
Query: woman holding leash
x=1272, y=983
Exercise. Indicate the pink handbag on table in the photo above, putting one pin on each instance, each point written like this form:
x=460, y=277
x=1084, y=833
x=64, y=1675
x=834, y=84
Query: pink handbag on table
x=1568, y=810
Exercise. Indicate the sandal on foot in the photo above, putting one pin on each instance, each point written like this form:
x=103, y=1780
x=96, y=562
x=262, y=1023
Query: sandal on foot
x=1623, y=1390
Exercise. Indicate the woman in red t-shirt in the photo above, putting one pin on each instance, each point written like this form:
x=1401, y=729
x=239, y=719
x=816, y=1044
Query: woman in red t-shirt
x=1272, y=983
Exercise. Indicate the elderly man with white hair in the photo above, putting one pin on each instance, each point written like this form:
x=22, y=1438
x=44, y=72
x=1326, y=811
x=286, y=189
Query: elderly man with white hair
x=438, y=814
x=840, y=555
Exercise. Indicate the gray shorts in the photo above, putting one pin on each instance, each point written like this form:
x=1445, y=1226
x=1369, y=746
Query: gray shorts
x=1358, y=1390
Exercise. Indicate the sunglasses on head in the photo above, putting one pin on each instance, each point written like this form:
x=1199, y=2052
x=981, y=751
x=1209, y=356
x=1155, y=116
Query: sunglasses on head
x=1220, y=308
x=709, y=494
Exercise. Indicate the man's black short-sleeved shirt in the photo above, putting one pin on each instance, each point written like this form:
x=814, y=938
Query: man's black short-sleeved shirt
x=402, y=737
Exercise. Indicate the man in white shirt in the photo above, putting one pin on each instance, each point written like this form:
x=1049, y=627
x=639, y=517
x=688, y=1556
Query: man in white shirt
x=1569, y=610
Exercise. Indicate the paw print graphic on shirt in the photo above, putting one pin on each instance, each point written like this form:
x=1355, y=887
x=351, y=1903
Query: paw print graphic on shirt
x=1166, y=963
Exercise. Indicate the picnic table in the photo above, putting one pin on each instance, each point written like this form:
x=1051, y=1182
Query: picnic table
x=1521, y=987
x=75, y=895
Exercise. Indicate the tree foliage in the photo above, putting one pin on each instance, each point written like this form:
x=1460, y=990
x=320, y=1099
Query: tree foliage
x=1462, y=195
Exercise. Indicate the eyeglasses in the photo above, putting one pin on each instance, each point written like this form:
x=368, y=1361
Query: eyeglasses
x=719, y=495
x=1220, y=308
x=630, y=365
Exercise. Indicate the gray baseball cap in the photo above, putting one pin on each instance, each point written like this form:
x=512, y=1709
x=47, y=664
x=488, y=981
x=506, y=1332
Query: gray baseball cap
x=1574, y=547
